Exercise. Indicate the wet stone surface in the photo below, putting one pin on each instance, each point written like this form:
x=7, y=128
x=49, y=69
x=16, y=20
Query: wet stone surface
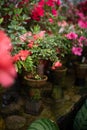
x=15, y=122
x=54, y=106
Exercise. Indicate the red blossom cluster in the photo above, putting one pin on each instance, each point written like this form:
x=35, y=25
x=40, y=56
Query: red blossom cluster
x=23, y=54
x=39, y=9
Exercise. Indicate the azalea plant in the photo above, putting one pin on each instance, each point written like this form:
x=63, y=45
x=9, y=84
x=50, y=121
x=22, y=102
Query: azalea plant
x=42, y=30
x=78, y=44
x=77, y=29
x=26, y=13
x=39, y=46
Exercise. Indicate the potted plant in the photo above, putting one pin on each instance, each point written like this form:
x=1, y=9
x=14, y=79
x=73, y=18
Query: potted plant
x=27, y=58
x=36, y=47
x=78, y=41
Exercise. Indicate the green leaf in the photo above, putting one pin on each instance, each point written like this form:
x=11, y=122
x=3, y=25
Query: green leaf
x=1, y=20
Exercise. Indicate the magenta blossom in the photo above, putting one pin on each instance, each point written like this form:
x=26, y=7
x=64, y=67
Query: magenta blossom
x=41, y=3
x=50, y=20
x=50, y=3
x=71, y=35
x=58, y=2
x=82, y=41
x=81, y=15
x=54, y=12
x=82, y=24
x=77, y=51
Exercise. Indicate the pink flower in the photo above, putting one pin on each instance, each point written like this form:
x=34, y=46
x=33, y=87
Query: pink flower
x=82, y=24
x=81, y=41
x=30, y=45
x=5, y=42
x=24, y=37
x=41, y=3
x=53, y=68
x=77, y=51
x=54, y=12
x=50, y=20
x=39, y=35
x=50, y=3
x=58, y=2
x=82, y=38
x=7, y=69
x=81, y=15
x=85, y=43
x=71, y=35
x=56, y=65
x=62, y=23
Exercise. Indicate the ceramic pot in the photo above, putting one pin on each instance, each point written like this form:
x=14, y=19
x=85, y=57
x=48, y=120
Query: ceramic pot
x=33, y=107
x=59, y=75
x=80, y=74
x=36, y=83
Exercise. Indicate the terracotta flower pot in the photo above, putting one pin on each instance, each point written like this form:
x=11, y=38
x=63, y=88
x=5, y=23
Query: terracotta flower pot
x=36, y=83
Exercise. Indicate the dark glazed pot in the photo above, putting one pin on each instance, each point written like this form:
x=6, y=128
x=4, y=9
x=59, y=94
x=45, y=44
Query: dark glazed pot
x=80, y=74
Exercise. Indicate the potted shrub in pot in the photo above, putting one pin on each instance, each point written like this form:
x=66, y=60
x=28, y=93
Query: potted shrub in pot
x=39, y=48
x=78, y=50
x=27, y=59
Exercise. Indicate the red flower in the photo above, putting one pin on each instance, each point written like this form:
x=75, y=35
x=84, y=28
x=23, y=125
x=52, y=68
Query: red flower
x=50, y=20
x=30, y=45
x=37, y=12
x=23, y=54
x=7, y=69
x=16, y=58
x=56, y=65
x=50, y=3
x=5, y=42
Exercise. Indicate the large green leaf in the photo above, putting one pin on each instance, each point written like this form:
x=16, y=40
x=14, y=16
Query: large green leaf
x=80, y=122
